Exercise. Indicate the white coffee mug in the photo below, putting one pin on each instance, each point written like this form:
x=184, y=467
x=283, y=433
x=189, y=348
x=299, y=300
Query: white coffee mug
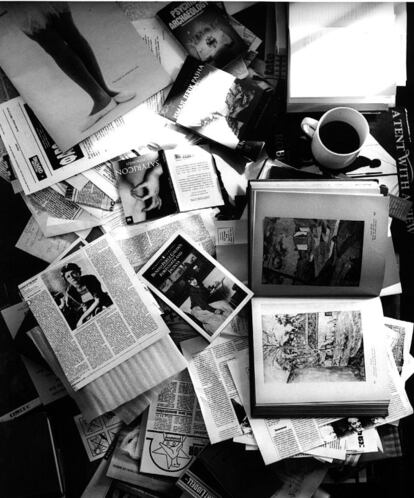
x=321, y=151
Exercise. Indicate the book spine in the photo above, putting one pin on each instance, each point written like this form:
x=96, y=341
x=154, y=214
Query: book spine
x=166, y=170
x=195, y=487
x=403, y=154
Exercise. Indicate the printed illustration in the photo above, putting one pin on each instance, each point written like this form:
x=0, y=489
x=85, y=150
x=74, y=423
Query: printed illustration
x=77, y=291
x=301, y=251
x=169, y=453
x=313, y=347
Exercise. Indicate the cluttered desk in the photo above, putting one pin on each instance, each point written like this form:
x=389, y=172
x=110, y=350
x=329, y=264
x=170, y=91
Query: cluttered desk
x=207, y=232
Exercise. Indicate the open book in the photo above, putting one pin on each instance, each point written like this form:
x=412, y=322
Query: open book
x=316, y=268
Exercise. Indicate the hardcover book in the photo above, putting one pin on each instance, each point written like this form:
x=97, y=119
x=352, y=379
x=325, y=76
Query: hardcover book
x=313, y=356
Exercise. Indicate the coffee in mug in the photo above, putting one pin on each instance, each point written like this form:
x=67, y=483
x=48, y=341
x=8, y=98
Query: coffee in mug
x=337, y=138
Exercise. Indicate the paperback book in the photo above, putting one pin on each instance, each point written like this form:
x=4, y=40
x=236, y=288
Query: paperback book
x=166, y=182
x=216, y=105
x=204, y=30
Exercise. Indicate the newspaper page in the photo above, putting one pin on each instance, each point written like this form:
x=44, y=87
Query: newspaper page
x=175, y=432
x=219, y=400
x=56, y=215
x=277, y=438
x=195, y=285
x=93, y=310
x=193, y=176
x=142, y=241
x=33, y=241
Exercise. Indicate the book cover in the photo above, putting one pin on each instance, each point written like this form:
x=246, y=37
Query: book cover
x=204, y=31
x=215, y=104
x=145, y=188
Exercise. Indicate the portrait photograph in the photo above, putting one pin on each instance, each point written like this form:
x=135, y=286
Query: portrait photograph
x=195, y=285
x=79, y=294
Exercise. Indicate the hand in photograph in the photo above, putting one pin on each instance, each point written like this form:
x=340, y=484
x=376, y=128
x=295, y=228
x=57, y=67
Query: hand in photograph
x=149, y=189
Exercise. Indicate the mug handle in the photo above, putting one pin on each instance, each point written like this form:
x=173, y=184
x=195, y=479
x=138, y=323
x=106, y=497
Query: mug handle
x=308, y=126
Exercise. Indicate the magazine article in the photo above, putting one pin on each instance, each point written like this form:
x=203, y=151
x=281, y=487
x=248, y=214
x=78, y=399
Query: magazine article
x=93, y=311
x=303, y=343
x=99, y=65
x=175, y=432
x=142, y=241
x=195, y=285
x=219, y=400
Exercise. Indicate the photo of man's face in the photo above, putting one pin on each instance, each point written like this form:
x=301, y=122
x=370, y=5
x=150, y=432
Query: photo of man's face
x=72, y=277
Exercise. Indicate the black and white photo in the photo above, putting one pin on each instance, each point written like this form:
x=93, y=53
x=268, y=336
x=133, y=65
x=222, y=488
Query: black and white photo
x=77, y=291
x=203, y=292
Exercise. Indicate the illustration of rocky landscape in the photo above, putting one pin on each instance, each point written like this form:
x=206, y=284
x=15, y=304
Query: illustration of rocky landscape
x=313, y=347
x=301, y=251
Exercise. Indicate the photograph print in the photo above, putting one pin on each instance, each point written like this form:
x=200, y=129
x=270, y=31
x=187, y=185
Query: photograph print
x=313, y=347
x=306, y=251
x=77, y=291
x=195, y=285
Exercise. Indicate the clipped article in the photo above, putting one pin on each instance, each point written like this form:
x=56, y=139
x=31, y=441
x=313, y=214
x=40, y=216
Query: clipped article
x=94, y=312
x=57, y=215
x=90, y=195
x=175, y=432
x=33, y=241
x=219, y=400
x=195, y=285
x=277, y=438
x=140, y=242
